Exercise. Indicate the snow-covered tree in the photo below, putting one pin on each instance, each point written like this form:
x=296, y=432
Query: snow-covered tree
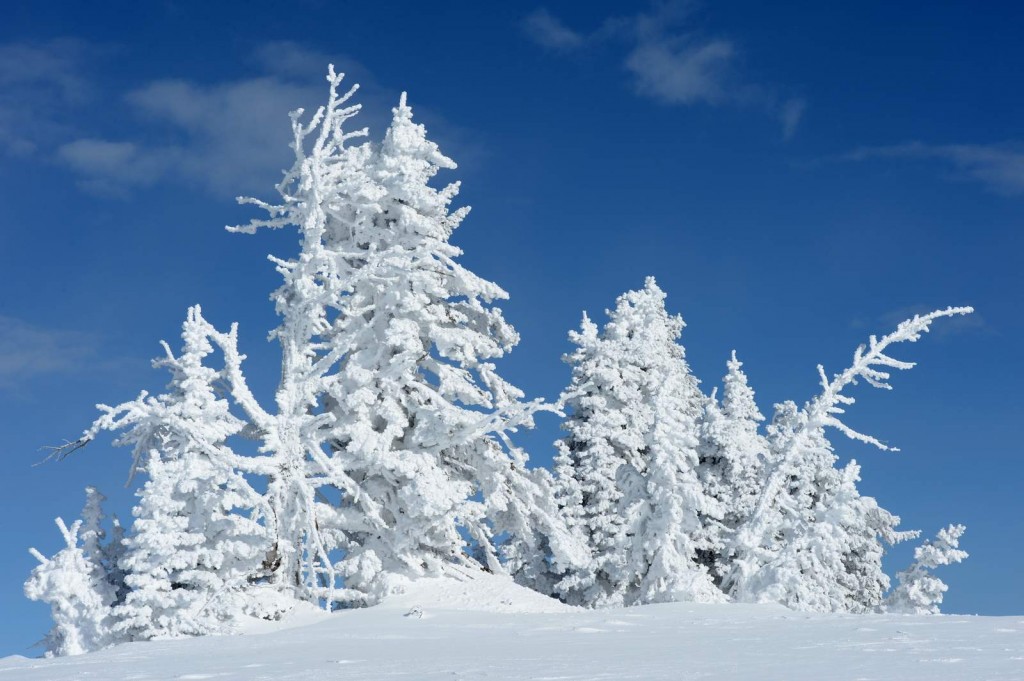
x=76, y=584
x=600, y=430
x=103, y=550
x=329, y=196
x=812, y=542
x=732, y=460
x=194, y=543
x=918, y=591
x=389, y=394
x=628, y=468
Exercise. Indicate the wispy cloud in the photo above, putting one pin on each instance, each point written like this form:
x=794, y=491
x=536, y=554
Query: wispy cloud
x=791, y=112
x=39, y=81
x=546, y=30
x=1000, y=167
x=676, y=72
x=27, y=350
x=110, y=168
x=227, y=138
x=671, y=62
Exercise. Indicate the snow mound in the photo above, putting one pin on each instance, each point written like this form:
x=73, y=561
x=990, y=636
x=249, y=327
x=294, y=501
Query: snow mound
x=476, y=591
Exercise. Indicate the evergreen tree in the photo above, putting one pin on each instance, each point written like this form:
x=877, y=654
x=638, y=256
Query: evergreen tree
x=76, y=584
x=194, y=544
x=330, y=198
x=104, y=551
x=388, y=376
x=918, y=591
x=600, y=430
x=731, y=463
x=628, y=471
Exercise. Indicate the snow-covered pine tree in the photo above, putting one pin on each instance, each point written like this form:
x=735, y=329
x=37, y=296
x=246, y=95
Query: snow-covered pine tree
x=76, y=584
x=388, y=391
x=195, y=542
x=98, y=547
x=600, y=429
x=732, y=459
x=813, y=542
x=329, y=196
x=918, y=591
x=628, y=469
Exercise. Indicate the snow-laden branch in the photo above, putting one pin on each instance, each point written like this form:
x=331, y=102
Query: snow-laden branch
x=871, y=364
x=312, y=169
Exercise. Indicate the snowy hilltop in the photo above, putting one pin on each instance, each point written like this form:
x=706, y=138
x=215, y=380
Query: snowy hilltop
x=384, y=468
x=489, y=628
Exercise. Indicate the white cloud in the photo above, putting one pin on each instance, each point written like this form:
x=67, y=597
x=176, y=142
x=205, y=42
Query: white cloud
x=547, y=31
x=233, y=136
x=39, y=81
x=27, y=350
x=791, y=113
x=1000, y=167
x=682, y=74
x=112, y=168
x=671, y=62
x=229, y=138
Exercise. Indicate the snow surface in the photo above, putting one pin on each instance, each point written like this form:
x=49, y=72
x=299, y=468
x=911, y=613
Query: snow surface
x=486, y=627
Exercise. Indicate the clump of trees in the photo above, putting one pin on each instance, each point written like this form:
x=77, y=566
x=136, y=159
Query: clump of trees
x=388, y=453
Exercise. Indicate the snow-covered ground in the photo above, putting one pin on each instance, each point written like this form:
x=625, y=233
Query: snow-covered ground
x=488, y=628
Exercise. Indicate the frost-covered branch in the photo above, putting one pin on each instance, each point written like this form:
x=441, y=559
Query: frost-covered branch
x=871, y=364
x=311, y=168
x=824, y=409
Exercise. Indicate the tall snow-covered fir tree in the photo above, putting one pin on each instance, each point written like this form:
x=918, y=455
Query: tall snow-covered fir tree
x=388, y=375
x=813, y=542
x=601, y=429
x=628, y=468
x=388, y=453
x=329, y=196
x=732, y=460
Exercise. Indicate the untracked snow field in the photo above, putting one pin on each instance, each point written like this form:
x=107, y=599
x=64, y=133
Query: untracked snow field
x=487, y=628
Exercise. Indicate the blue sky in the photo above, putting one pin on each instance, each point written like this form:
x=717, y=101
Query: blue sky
x=796, y=178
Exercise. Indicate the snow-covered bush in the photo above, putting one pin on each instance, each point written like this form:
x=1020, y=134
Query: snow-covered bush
x=194, y=543
x=918, y=591
x=77, y=584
